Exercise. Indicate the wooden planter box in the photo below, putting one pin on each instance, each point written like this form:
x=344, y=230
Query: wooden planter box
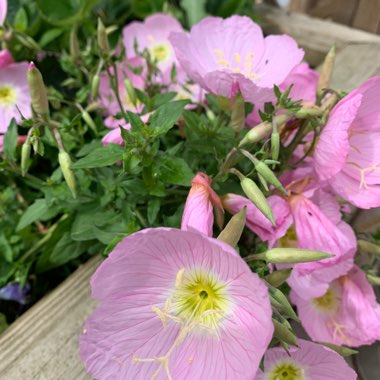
x=43, y=343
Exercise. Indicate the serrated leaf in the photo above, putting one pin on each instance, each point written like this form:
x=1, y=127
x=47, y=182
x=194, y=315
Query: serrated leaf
x=175, y=171
x=137, y=124
x=100, y=157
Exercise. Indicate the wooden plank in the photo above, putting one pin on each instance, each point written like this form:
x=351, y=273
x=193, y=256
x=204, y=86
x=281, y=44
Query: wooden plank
x=43, y=343
x=367, y=16
x=314, y=35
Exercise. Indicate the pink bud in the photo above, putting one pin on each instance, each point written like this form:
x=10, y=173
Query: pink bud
x=5, y=58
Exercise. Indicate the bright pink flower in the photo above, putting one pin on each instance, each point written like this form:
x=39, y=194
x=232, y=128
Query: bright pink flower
x=310, y=361
x=346, y=314
x=14, y=94
x=347, y=154
x=3, y=11
x=227, y=55
x=153, y=34
x=5, y=58
x=107, y=95
x=176, y=303
x=198, y=214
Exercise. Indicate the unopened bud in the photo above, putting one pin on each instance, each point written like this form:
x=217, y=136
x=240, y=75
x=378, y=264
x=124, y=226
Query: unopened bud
x=238, y=113
x=265, y=172
x=257, y=133
x=263, y=182
x=292, y=255
x=283, y=333
x=130, y=91
x=374, y=280
x=252, y=191
x=281, y=299
x=103, y=38
x=341, y=350
x=95, y=86
x=74, y=44
x=88, y=119
x=305, y=113
x=278, y=277
x=369, y=247
x=37, y=91
x=65, y=164
x=234, y=228
x=327, y=69
x=25, y=156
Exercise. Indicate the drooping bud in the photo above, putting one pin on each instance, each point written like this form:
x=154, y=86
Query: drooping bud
x=275, y=141
x=74, y=44
x=37, y=91
x=281, y=299
x=65, y=164
x=238, y=113
x=278, y=277
x=289, y=256
x=327, y=69
x=252, y=191
x=95, y=86
x=103, y=38
x=88, y=119
x=263, y=182
x=283, y=333
x=25, y=156
x=234, y=228
x=265, y=172
x=257, y=133
x=341, y=350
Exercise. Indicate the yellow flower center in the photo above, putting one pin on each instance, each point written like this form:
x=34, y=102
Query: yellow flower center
x=286, y=370
x=7, y=95
x=328, y=303
x=200, y=299
x=289, y=240
x=160, y=52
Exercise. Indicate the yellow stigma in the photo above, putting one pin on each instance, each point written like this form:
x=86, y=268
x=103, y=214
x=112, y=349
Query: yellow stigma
x=8, y=95
x=328, y=303
x=286, y=370
x=200, y=299
x=160, y=52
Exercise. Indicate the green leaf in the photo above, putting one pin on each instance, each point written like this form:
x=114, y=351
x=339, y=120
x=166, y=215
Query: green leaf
x=50, y=36
x=195, y=10
x=21, y=20
x=165, y=117
x=5, y=249
x=136, y=123
x=10, y=141
x=153, y=209
x=175, y=171
x=100, y=157
x=38, y=210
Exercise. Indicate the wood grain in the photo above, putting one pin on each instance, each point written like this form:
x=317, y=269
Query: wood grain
x=43, y=343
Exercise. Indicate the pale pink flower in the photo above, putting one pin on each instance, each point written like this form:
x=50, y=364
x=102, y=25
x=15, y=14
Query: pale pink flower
x=227, y=55
x=5, y=58
x=310, y=361
x=107, y=96
x=153, y=34
x=3, y=11
x=347, y=154
x=14, y=94
x=347, y=314
x=198, y=214
x=176, y=304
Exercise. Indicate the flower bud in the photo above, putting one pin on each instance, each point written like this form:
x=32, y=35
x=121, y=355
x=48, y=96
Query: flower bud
x=238, y=113
x=37, y=91
x=281, y=299
x=257, y=133
x=304, y=113
x=278, y=277
x=234, y=228
x=374, y=280
x=95, y=86
x=263, y=182
x=65, y=164
x=88, y=119
x=103, y=38
x=252, y=191
x=25, y=156
x=275, y=141
x=74, y=44
x=130, y=91
x=292, y=255
x=327, y=69
x=6, y=58
x=283, y=333
x=369, y=247
x=341, y=350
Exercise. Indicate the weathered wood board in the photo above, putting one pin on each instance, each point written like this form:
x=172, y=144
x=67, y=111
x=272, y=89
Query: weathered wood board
x=43, y=343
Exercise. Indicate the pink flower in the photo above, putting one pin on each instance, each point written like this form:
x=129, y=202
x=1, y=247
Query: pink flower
x=107, y=96
x=5, y=58
x=153, y=34
x=308, y=361
x=14, y=94
x=3, y=11
x=225, y=56
x=198, y=214
x=347, y=154
x=176, y=304
x=346, y=314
